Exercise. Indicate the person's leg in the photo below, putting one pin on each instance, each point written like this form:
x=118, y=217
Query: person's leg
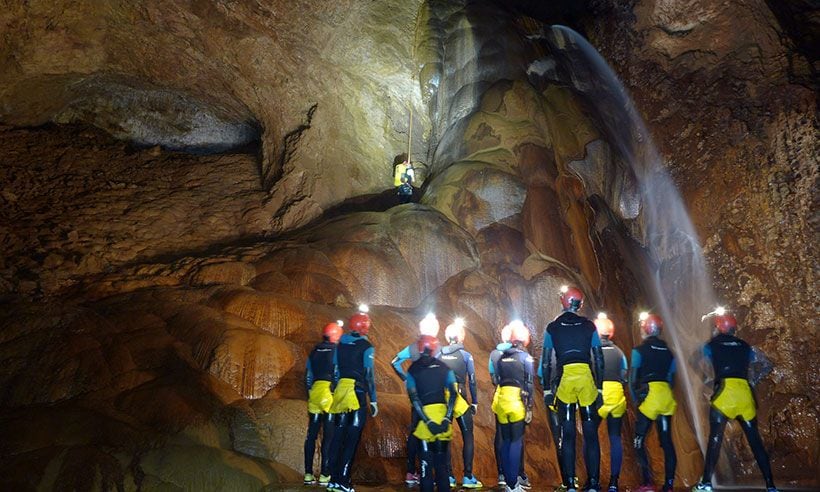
x=465, y=423
x=339, y=437
x=440, y=457
x=314, y=424
x=616, y=448
x=516, y=451
x=426, y=468
x=412, y=443
x=566, y=415
x=717, y=425
x=641, y=429
x=510, y=473
x=327, y=437
x=592, y=448
x=756, y=443
x=354, y=430
x=497, y=444
x=670, y=459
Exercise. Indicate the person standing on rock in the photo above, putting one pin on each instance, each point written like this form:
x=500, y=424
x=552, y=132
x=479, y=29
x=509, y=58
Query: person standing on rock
x=573, y=341
x=513, y=402
x=432, y=388
x=613, y=407
x=737, y=367
x=651, y=377
x=461, y=363
x=354, y=364
x=495, y=356
x=319, y=375
x=430, y=326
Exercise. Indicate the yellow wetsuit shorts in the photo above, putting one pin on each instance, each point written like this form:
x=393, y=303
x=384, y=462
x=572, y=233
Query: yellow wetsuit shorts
x=320, y=398
x=614, y=400
x=436, y=412
x=345, y=398
x=577, y=385
x=659, y=400
x=508, y=405
x=734, y=399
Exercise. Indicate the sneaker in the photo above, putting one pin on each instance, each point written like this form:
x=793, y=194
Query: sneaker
x=452, y=482
x=324, y=480
x=524, y=483
x=771, y=489
x=310, y=479
x=560, y=488
x=471, y=482
x=592, y=486
x=647, y=487
x=501, y=481
x=411, y=479
x=342, y=488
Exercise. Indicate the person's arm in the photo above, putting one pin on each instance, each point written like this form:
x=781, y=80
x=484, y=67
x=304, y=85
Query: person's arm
x=308, y=375
x=335, y=367
x=529, y=385
x=545, y=368
x=670, y=377
x=759, y=366
x=597, y=360
x=452, y=386
x=410, y=383
x=369, y=363
x=398, y=360
x=633, y=375
x=468, y=359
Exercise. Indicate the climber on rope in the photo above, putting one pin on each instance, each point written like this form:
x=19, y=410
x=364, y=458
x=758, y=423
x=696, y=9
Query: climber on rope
x=461, y=363
x=512, y=404
x=737, y=368
x=579, y=364
x=354, y=363
x=403, y=177
x=651, y=377
x=613, y=407
x=433, y=390
x=319, y=376
x=428, y=326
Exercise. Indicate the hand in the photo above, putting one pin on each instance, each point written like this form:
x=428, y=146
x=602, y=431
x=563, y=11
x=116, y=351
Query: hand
x=473, y=408
x=436, y=428
x=374, y=408
x=549, y=398
x=600, y=399
x=528, y=416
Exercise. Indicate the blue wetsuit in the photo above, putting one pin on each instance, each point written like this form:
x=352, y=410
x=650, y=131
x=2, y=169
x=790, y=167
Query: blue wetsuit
x=319, y=367
x=461, y=363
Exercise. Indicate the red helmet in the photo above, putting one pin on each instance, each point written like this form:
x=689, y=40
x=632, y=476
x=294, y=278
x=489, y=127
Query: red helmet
x=651, y=325
x=332, y=332
x=519, y=333
x=455, y=331
x=360, y=323
x=726, y=324
x=605, y=326
x=571, y=298
x=427, y=344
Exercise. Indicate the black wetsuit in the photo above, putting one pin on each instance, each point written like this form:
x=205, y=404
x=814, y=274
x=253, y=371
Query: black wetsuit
x=731, y=357
x=319, y=368
x=514, y=369
x=614, y=371
x=461, y=363
x=354, y=360
x=574, y=340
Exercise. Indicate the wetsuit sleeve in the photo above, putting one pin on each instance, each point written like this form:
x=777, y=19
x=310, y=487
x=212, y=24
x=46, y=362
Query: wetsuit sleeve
x=410, y=383
x=452, y=386
x=308, y=375
x=397, y=361
x=623, y=367
x=369, y=361
x=597, y=360
x=468, y=359
x=702, y=362
x=335, y=366
x=670, y=377
x=633, y=375
x=530, y=383
x=544, y=368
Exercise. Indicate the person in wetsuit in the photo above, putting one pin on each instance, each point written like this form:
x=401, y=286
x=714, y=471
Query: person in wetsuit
x=737, y=367
x=354, y=369
x=319, y=375
x=651, y=378
x=430, y=326
x=513, y=402
x=432, y=388
x=579, y=364
x=461, y=363
x=495, y=356
x=613, y=406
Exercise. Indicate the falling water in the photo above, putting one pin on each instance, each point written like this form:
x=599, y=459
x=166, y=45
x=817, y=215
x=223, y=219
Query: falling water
x=681, y=284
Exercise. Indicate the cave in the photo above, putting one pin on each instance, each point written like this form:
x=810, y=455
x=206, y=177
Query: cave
x=192, y=189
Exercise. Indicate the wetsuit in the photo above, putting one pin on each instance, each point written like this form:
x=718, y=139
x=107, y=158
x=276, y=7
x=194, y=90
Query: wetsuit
x=651, y=378
x=512, y=406
x=354, y=368
x=431, y=386
x=319, y=375
x=614, y=405
x=411, y=353
x=732, y=360
x=495, y=356
x=579, y=365
x=461, y=363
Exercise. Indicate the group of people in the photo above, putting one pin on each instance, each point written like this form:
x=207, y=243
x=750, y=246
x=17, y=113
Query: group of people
x=581, y=372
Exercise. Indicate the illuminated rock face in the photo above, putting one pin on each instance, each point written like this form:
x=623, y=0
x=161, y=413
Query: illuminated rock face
x=161, y=305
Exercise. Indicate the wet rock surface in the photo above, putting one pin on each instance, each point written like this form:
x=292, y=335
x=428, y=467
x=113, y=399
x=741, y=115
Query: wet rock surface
x=159, y=306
